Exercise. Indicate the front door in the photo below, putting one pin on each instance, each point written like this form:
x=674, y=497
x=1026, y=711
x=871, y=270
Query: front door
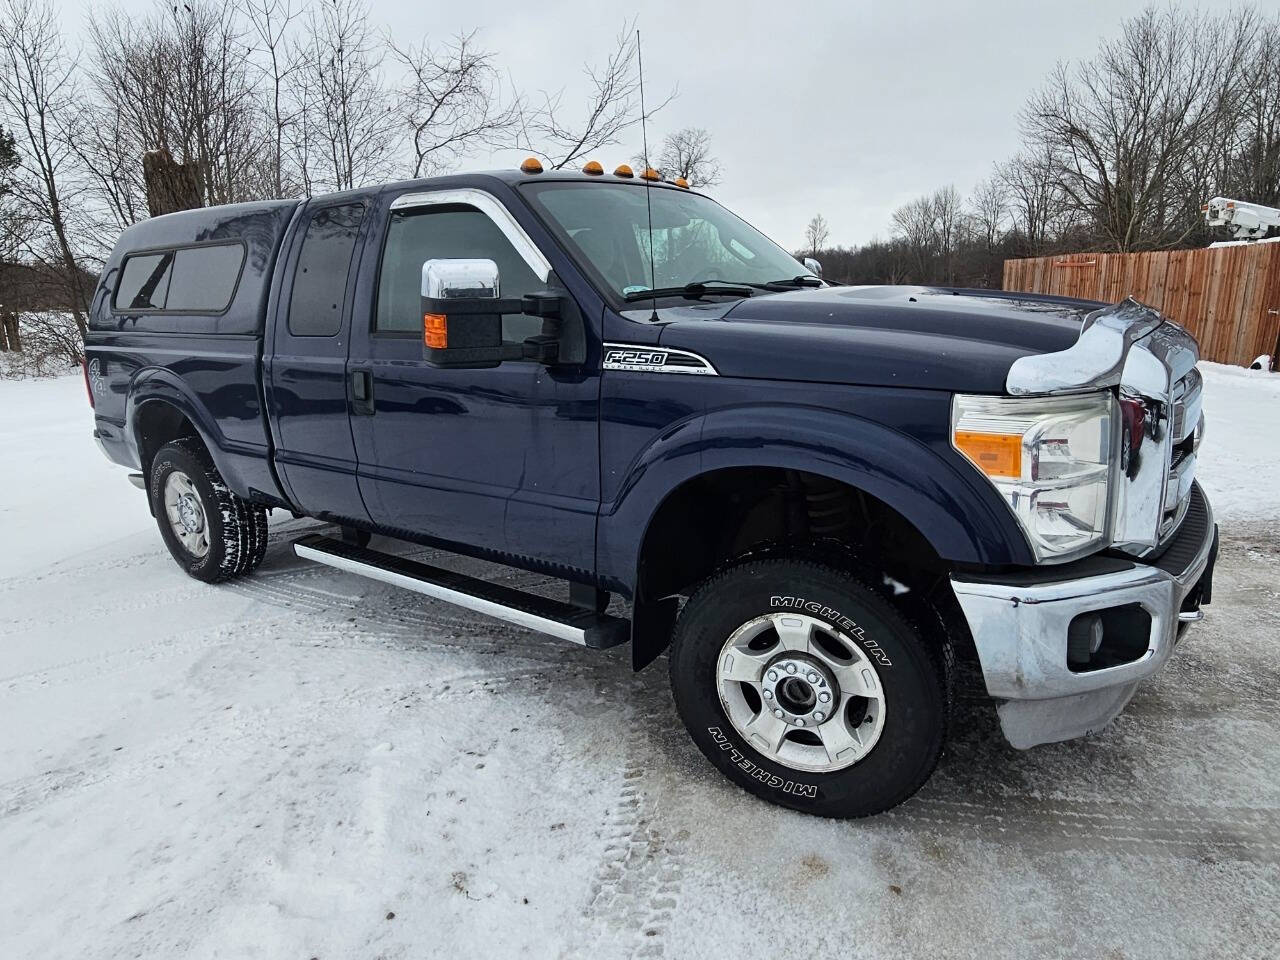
x=504, y=458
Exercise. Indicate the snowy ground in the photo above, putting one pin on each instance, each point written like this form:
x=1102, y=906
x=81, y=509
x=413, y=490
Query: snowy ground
x=307, y=764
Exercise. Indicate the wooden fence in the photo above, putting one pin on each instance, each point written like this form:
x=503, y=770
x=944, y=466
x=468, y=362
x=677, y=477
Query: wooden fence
x=1228, y=297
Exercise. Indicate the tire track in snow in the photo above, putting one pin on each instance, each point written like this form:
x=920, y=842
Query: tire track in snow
x=1187, y=831
x=137, y=655
x=210, y=739
x=636, y=888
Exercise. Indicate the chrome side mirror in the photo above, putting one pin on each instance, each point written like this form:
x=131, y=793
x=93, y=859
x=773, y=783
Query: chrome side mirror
x=462, y=316
x=460, y=279
x=813, y=266
x=461, y=313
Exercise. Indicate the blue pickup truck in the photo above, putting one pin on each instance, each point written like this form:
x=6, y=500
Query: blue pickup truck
x=813, y=498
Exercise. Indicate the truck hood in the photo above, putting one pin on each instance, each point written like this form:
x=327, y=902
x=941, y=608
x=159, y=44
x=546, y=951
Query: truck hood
x=925, y=337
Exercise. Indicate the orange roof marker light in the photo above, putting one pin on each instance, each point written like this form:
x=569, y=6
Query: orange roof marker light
x=531, y=165
x=651, y=174
x=681, y=182
x=592, y=168
x=623, y=170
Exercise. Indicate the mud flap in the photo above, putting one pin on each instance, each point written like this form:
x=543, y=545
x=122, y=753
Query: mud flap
x=651, y=626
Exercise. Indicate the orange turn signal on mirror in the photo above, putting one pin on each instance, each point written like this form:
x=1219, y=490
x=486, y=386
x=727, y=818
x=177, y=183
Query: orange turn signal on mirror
x=435, y=331
x=995, y=454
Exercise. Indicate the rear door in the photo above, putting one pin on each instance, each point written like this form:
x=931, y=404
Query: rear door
x=306, y=368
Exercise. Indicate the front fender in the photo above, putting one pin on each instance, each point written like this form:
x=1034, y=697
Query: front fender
x=926, y=482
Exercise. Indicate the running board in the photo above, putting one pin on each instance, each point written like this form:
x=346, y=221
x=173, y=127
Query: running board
x=554, y=617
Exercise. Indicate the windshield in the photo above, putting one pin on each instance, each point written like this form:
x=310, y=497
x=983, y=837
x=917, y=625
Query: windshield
x=606, y=226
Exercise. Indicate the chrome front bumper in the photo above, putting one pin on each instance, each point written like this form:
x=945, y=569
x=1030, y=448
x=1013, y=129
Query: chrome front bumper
x=1019, y=624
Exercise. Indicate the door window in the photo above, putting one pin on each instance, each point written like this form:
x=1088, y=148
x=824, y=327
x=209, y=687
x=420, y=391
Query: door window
x=320, y=282
x=447, y=231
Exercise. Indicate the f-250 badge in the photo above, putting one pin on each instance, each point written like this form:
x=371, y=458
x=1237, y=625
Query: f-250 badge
x=642, y=359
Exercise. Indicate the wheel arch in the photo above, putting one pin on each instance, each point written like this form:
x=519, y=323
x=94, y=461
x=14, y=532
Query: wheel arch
x=160, y=410
x=695, y=505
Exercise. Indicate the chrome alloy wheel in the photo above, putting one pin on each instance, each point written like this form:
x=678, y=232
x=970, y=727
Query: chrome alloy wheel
x=186, y=513
x=801, y=692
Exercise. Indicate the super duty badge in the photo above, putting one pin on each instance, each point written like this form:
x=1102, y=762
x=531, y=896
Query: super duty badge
x=642, y=359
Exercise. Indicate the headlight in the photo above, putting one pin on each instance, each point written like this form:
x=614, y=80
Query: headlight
x=1049, y=457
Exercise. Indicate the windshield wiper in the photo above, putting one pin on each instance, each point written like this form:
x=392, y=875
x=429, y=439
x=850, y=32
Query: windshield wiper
x=697, y=290
x=805, y=280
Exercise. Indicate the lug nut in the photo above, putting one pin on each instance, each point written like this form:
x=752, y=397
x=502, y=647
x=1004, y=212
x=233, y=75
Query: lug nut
x=813, y=678
x=824, y=697
x=773, y=674
x=800, y=721
x=768, y=694
x=778, y=714
x=791, y=668
x=819, y=716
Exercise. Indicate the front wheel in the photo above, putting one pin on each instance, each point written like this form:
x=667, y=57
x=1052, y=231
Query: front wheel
x=809, y=688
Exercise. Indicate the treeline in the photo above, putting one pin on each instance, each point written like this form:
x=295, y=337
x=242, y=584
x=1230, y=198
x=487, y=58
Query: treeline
x=250, y=99
x=1118, y=153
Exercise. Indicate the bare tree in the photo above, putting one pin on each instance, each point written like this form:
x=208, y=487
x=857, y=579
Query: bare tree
x=947, y=217
x=177, y=81
x=816, y=234
x=41, y=101
x=345, y=129
x=10, y=336
x=270, y=22
x=687, y=154
x=989, y=211
x=914, y=225
x=1252, y=163
x=986, y=228
x=1121, y=132
x=613, y=108
x=451, y=102
x=1035, y=202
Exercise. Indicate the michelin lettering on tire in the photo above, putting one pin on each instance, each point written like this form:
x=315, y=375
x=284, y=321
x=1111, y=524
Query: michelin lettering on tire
x=835, y=617
x=744, y=763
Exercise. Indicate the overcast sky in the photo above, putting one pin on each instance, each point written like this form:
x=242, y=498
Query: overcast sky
x=844, y=107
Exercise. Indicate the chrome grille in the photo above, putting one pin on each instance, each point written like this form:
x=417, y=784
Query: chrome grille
x=1160, y=369
x=1187, y=395
x=1185, y=426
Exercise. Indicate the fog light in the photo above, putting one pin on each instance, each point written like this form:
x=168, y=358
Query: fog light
x=1084, y=638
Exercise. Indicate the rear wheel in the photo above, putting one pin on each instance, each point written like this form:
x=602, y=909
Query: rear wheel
x=809, y=688
x=212, y=533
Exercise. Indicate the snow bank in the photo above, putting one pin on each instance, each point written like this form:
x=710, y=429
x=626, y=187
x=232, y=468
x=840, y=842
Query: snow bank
x=59, y=496
x=1239, y=464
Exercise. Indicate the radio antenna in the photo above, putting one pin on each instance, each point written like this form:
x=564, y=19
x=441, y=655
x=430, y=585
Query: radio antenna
x=648, y=184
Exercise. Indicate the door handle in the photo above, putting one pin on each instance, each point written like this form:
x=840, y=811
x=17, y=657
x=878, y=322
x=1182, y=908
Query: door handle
x=362, y=393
